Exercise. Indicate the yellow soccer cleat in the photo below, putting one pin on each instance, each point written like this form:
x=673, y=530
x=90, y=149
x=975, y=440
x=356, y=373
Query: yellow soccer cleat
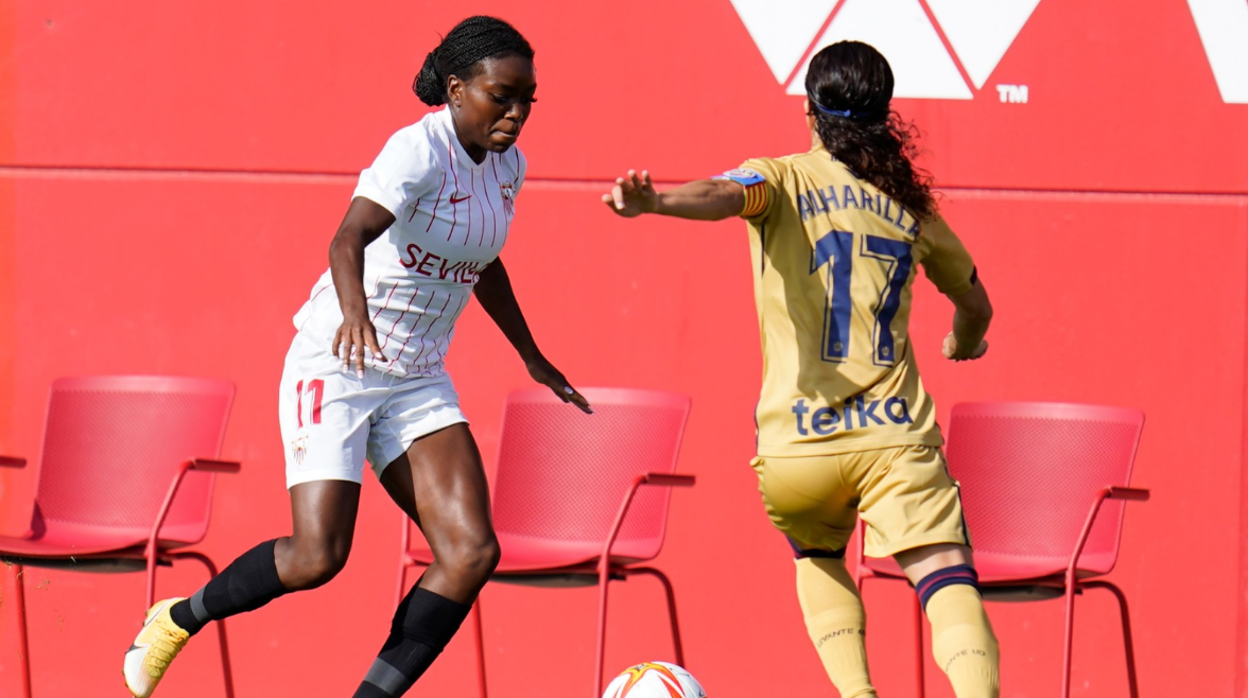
x=153, y=650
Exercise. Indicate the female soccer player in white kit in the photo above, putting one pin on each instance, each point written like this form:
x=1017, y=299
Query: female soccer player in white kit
x=365, y=376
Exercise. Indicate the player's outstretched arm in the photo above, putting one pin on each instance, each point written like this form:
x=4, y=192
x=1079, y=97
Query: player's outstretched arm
x=493, y=291
x=364, y=222
x=702, y=199
x=971, y=316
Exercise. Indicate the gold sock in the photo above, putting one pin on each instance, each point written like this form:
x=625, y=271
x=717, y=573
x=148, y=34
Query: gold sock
x=962, y=641
x=836, y=622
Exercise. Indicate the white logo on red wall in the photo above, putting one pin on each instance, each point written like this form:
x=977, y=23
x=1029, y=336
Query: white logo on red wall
x=913, y=35
x=1223, y=28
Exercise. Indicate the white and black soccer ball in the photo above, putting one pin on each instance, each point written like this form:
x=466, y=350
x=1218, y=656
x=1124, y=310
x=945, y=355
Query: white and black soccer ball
x=654, y=680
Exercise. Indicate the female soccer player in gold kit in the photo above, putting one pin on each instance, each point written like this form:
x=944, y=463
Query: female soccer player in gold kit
x=845, y=428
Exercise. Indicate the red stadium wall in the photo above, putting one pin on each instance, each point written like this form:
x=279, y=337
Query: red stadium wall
x=170, y=175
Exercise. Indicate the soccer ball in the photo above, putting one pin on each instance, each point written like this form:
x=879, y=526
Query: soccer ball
x=654, y=680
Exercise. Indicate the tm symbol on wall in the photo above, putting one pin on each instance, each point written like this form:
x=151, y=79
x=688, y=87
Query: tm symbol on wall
x=1012, y=94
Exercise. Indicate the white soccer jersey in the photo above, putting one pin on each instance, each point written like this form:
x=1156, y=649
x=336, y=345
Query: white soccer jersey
x=451, y=220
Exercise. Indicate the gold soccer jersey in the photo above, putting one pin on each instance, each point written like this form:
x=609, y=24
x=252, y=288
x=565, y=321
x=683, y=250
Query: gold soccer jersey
x=834, y=259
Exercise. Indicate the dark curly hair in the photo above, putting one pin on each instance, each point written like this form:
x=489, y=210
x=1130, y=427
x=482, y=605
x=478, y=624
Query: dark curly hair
x=461, y=52
x=850, y=85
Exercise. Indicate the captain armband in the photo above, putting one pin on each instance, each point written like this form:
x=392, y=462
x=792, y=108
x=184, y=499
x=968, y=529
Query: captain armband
x=755, y=190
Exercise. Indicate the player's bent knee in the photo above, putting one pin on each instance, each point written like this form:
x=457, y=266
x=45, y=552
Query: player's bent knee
x=482, y=559
x=472, y=561
x=315, y=567
x=923, y=561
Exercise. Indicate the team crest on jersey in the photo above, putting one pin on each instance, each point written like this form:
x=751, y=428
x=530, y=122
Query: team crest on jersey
x=299, y=448
x=508, y=190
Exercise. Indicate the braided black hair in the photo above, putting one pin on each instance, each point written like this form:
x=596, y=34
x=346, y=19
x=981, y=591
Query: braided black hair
x=850, y=85
x=461, y=52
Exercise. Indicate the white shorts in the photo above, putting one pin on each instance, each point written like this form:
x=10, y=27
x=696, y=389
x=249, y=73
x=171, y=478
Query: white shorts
x=331, y=420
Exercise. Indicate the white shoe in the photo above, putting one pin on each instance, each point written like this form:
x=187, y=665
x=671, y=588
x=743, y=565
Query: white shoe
x=153, y=650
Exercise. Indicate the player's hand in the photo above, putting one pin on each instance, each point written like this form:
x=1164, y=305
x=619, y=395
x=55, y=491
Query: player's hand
x=952, y=352
x=355, y=333
x=632, y=195
x=543, y=372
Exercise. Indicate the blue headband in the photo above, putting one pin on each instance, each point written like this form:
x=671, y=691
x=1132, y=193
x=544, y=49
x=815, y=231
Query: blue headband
x=844, y=113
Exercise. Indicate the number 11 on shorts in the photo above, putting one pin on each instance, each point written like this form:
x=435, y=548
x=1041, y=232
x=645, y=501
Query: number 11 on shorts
x=316, y=388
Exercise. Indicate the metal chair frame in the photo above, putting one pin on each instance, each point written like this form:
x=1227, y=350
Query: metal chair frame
x=601, y=570
x=1067, y=585
x=146, y=558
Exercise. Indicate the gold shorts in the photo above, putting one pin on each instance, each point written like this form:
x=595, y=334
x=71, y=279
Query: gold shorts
x=904, y=494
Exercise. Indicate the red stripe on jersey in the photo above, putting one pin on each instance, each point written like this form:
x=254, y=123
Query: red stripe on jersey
x=485, y=180
x=314, y=295
x=432, y=294
x=427, y=330
x=462, y=302
x=480, y=207
x=472, y=178
x=396, y=322
x=376, y=284
x=445, y=347
x=433, y=213
x=414, y=210
x=450, y=149
x=385, y=303
x=499, y=182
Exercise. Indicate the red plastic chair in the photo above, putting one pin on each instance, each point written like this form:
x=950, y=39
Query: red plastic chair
x=124, y=483
x=569, y=504
x=1043, y=489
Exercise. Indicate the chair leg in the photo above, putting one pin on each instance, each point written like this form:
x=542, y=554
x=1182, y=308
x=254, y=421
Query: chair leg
x=1068, y=645
x=671, y=608
x=479, y=625
x=1127, y=643
x=604, y=578
x=16, y=575
x=398, y=596
x=227, y=671
x=151, y=579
